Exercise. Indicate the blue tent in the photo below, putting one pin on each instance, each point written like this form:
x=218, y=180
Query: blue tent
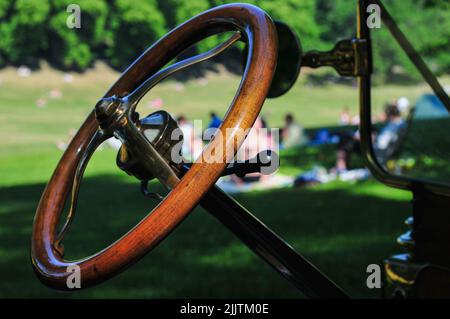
x=430, y=106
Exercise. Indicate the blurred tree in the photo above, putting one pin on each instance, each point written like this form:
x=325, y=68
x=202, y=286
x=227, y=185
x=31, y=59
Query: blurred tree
x=22, y=30
x=429, y=31
x=119, y=30
x=299, y=14
x=427, y=26
x=337, y=20
x=134, y=25
x=5, y=30
x=74, y=48
x=184, y=10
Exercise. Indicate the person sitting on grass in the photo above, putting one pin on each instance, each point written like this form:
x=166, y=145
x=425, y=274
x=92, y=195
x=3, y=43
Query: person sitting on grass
x=390, y=136
x=385, y=143
x=292, y=134
x=192, y=145
x=215, y=120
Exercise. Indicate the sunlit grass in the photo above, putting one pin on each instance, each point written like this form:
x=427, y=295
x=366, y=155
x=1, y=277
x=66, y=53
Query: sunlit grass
x=341, y=227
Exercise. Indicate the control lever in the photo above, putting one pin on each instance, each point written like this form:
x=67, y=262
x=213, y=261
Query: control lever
x=265, y=162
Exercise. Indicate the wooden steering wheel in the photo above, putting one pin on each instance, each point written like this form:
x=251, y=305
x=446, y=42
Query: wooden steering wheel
x=113, y=116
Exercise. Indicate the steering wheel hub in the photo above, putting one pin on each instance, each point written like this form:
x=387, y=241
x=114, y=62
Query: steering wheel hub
x=162, y=131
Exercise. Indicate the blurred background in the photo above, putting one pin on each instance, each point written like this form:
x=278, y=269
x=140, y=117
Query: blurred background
x=322, y=200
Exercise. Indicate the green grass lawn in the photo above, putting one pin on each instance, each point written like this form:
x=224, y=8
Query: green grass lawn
x=341, y=227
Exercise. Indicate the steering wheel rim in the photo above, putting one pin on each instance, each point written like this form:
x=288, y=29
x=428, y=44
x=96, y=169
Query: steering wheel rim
x=260, y=33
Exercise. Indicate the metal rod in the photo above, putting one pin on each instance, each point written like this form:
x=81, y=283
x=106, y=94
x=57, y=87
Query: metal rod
x=367, y=149
x=140, y=146
x=98, y=138
x=142, y=89
x=252, y=232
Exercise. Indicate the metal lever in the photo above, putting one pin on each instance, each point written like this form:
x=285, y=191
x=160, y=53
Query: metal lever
x=266, y=162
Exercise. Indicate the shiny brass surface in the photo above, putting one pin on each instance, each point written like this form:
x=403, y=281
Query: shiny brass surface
x=348, y=58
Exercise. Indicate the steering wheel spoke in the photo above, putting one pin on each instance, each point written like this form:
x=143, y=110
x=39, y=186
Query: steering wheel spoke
x=130, y=134
x=98, y=138
x=134, y=97
x=149, y=157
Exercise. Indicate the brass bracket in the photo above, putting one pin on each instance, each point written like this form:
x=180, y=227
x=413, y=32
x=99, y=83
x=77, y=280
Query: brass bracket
x=349, y=57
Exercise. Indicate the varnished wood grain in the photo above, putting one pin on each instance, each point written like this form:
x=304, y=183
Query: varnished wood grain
x=260, y=33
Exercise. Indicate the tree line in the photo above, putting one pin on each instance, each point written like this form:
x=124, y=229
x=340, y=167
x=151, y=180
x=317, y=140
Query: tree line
x=117, y=31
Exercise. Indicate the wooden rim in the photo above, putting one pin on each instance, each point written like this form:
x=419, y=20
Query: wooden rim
x=261, y=36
